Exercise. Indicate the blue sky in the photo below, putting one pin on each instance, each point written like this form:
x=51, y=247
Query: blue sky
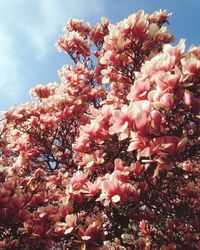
x=30, y=28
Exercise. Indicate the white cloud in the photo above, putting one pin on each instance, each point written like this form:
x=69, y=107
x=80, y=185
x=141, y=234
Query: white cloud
x=45, y=26
x=9, y=67
x=51, y=18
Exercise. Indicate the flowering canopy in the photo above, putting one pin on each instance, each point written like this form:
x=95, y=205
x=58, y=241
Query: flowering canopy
x=108, y=158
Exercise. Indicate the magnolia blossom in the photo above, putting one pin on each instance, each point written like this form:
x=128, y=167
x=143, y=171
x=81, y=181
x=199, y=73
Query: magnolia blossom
x=78, y=180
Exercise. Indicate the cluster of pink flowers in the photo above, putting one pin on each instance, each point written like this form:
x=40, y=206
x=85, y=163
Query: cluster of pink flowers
x=75, y=42
x=108, y=158
x=127, y=46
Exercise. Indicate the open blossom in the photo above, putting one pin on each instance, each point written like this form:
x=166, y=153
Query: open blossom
x=139, y=90
x=92, y=230
x=137, y=141
x=136, y=25
x=94, y=159
x=114, y=191
x=159, y=17
x=92, y=189
x=169, y=145
x=78, y=180
x=67, y=226
x=191, y=66
x=175, y=52
x=133, y=116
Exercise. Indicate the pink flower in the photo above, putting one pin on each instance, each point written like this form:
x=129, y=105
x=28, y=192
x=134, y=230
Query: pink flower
x=119, y=164
x=71, y=220
x=42, y=92
x=135, y=115
x=191, y=66
x=162, y=147
x=168, y=101
x=79, y=26
x=156, y=119
x=144, y=228
x=99, y=31
x=137, y=142
x=175, y=52
x=92, y=230
x=73, y=42
x=194, y=51
x=66, y=227
x=92, y=189
x=136, y=25
x=188, y=98
x=120, y=120
x=78, y=180
x=139, y=90
x=165, y=81
x=137, y=168
x=92, y=159
x=159, y=16
x=114, y=191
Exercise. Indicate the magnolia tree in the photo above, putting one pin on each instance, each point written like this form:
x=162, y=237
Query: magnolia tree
x=107, y=158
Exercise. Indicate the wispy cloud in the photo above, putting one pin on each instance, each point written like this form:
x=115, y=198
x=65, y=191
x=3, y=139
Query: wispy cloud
x=28, y=31
x=10, y=77
x=51, y=17
x=46, y=24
